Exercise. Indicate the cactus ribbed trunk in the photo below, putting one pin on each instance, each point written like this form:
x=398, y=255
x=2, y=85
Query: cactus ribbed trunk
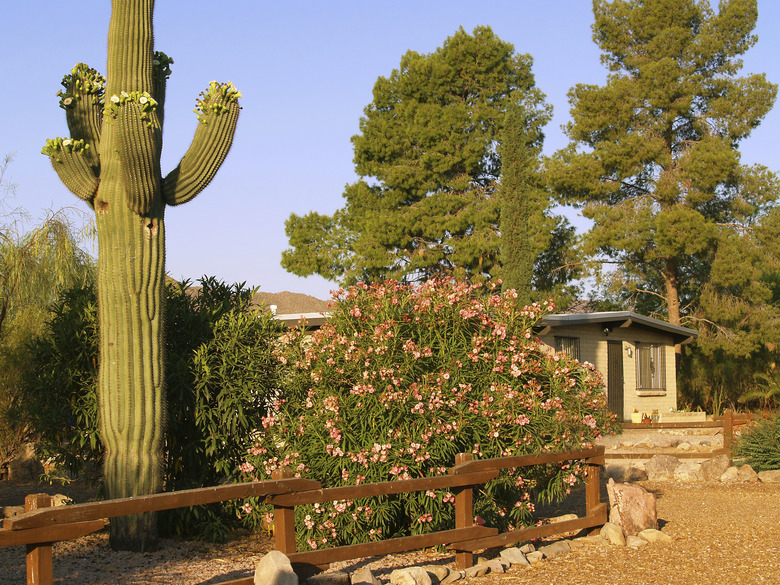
x=131, y=270
x=112, y=161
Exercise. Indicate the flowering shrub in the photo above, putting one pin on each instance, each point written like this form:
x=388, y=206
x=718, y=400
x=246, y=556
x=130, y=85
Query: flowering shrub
x=400, y=380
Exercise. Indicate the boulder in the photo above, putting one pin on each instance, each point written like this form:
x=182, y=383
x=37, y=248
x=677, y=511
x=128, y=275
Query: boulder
x=731, y=475
x=661, y=467
x=635, y=541
x=554, y=549
x=535, y=557
x=747, y=474
x=772, y=476
x=274, y=568
x=631, y=507
x=364, y=576
x=410, y=576
x=651, y=535
x=438, y=572
x=613, y=534
x=635, y=473
x=515, y=556
x=453, y=577
x=688, y=472
x=330, y=578
x=713, y=469
x=477, y=570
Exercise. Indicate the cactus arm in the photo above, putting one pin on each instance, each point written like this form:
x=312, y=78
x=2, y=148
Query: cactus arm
x=140, y=142
x=72, y=162
x=217, y=110
x=82, y=100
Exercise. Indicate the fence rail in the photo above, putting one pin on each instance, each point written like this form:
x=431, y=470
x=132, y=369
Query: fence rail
x=41, y=524
x=728, y=421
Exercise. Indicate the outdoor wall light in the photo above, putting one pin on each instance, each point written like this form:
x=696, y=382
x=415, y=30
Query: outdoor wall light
x=629, y=351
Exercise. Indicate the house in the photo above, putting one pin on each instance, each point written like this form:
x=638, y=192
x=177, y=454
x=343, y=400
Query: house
x=635, y=354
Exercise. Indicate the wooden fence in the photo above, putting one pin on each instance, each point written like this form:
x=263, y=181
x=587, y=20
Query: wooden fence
x=41, y=524
x=727, y=422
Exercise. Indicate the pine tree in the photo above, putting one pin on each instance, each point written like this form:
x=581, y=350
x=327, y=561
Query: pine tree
x=653, y=157
x=426, y=204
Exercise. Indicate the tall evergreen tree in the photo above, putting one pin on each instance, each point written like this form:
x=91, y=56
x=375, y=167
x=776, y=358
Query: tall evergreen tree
x=653, y=157
x=522, y=196
x=426, y=204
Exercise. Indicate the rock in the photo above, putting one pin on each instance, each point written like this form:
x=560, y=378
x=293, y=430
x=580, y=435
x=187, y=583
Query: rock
x=565, y=518
x=19, y=470
x=515, y=556
x=330, y=578
x=688, y=472
x=554, y=549
x=772, y=476
x=651, y=535
x=631, y=507
x=495, y=566
x=661, y=467
x=684, y=446
x=534, y=557
x=477, y=570
x=410, y=576
x=528, y=547
x=635, y=473
x=274, y=568
x=713, y=469
x=452, y=577
x=364, y=576
x=587, y=541
x=440, y=572
x=635, y=541
x=747, y=474
x=61, y=500
x=613, y=534
x=731, y=475
x=9, y=511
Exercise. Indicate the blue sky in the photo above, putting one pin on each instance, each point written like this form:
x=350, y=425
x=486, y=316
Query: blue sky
x=306, y=71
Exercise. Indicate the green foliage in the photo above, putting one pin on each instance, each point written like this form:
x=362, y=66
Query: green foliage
x=653, y=158
x=34, y=264
x=759, y=444
x=522, y=197
x=221, y=375
x=401, y=379
x=426, y=204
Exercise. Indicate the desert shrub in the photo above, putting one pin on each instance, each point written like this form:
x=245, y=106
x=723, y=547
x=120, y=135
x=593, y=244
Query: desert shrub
x=220, y=372
x=401, y=379
x=759, y=444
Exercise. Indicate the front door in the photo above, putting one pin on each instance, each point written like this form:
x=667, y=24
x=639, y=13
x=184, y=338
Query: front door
x=615, y=377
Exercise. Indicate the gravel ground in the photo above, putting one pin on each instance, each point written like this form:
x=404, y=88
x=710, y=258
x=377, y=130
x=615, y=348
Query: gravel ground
x=722, y=533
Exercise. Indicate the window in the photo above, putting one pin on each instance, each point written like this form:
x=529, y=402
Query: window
x=650, y=366
x=568, y=345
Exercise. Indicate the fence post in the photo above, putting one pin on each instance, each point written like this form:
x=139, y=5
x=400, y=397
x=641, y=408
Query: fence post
x=39, y=556
x=728, y=430
x=592, y=487
x=464, y=513
x=284, y=520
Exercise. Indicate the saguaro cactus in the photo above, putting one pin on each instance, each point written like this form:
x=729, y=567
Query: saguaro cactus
x=112, y=161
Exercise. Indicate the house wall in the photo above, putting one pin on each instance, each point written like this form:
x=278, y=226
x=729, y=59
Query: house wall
x=593, y=349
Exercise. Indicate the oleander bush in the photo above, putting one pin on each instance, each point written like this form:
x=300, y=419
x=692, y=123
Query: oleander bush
x=401, y=379
x=759, y=444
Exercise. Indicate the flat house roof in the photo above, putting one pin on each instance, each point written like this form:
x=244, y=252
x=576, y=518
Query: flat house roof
x=313, y=320
x=618, y=319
